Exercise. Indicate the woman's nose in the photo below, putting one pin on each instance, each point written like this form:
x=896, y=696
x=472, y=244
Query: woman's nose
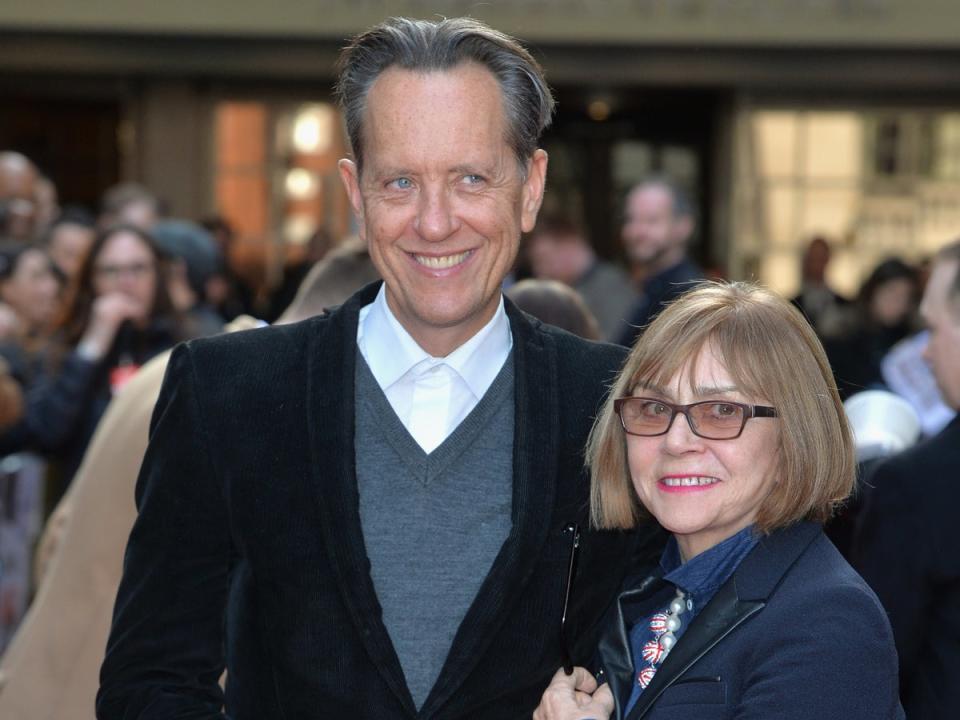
x=680, y=436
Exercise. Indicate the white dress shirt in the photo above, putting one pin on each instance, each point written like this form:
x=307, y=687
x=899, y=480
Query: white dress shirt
x=430, y=395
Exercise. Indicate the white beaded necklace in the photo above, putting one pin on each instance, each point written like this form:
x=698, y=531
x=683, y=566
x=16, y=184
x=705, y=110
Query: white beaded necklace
x=664, y=627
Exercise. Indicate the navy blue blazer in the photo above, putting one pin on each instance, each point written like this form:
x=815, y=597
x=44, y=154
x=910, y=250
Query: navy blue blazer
x=794, y=634
x=248, y=551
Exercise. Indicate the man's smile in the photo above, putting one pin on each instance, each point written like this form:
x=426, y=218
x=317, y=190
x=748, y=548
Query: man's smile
x=441, y=262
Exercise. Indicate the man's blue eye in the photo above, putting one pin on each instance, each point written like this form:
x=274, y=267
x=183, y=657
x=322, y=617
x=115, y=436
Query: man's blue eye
x=473, y=179
x=402, y=183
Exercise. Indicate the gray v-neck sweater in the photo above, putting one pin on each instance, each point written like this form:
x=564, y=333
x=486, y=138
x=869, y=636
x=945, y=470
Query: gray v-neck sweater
x=432, y=523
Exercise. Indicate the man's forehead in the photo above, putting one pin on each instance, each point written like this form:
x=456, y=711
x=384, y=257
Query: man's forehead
x=952, y=291
x=467, y=98
x=938, y=298
x=651, y=197
x=396, y=83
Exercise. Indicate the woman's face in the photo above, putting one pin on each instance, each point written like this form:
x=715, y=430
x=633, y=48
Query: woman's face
x=892, y=302
x=33, y=290
x=126, y=265
x=703, y=491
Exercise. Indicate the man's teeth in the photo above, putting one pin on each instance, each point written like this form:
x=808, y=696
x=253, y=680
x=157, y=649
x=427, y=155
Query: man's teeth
x=689, y=481
x=439, y=263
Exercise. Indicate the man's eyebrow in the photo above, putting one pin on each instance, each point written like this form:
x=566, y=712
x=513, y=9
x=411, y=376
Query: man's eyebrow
x=392, y=172
x=471, y=169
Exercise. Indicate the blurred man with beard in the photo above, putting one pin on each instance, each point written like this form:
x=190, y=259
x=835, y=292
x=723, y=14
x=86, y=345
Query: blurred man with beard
x=657, y=226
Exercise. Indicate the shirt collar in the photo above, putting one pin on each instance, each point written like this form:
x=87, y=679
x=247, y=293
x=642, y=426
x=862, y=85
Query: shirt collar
x=702, y=575
x=391, y=352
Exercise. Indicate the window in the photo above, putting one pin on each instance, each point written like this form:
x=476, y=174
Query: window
x=874, y=183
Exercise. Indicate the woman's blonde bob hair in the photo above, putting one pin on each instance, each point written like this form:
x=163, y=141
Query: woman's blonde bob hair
x=772, y=353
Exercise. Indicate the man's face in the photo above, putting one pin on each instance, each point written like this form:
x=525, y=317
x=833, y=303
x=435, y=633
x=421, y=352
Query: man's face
x=18, y=180
x=139, y=213
x=441, y=201
x=650, y=228
x=943, y=348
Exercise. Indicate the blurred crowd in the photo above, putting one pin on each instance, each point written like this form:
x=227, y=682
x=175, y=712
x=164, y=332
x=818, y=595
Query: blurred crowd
x=859, y=333
x=87, y=298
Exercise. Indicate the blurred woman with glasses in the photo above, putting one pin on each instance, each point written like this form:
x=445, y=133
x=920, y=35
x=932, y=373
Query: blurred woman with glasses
x=118, y=315
x=726, y=427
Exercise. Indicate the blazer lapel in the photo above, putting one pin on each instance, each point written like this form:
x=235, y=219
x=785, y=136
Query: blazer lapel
x=535, y=443
x=726, y=612
x=614, y=645
x=331, y=430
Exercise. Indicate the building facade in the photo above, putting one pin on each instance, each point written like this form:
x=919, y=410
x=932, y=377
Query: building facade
x=784, y=119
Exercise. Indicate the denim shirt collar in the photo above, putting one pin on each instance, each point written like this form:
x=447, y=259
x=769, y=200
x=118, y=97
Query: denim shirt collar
x=701, y=576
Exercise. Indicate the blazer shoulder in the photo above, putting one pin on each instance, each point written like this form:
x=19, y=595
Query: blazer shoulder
x=821, y=577
x=823, y=640
x=579, y=362
x=935, y=462
x=939, y=451
x=576, y=351
x=265, y=346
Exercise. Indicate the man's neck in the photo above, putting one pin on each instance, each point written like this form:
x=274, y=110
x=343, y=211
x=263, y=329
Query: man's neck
x=439, y=342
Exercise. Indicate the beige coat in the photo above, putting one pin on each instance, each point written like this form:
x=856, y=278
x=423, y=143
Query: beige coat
x=50, y=671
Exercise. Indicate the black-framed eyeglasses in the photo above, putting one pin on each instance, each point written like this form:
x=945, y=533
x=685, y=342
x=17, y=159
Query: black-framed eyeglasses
x=566, y=657
x=709, y=419
x=115, y=272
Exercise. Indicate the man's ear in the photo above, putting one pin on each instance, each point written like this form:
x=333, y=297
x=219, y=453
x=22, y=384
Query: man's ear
x=533, y=188
x=350, y=176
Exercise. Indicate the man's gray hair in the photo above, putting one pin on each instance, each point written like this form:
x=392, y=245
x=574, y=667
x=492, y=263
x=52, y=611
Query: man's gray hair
x=426, y=46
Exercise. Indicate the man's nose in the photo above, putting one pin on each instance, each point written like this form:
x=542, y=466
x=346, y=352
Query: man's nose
x=436, y=219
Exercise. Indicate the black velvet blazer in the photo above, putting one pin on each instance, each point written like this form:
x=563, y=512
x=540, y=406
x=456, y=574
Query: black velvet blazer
x=248, y=553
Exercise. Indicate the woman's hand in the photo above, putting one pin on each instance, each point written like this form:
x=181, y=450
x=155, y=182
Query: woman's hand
x=575, y=697
x=107, y=314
